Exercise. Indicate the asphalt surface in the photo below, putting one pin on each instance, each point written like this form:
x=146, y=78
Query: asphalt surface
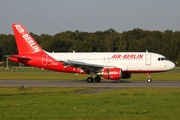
x=80, y=83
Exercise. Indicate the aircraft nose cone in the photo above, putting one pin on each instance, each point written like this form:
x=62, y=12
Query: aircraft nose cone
x=171, y=65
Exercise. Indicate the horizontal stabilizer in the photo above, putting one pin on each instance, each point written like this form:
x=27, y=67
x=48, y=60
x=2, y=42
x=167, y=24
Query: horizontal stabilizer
x=20, y=57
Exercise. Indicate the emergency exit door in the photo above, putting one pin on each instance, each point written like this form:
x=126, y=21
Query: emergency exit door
x=148, y=59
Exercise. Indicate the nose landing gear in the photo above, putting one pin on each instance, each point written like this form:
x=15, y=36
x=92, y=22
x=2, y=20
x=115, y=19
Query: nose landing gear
x=149, y=78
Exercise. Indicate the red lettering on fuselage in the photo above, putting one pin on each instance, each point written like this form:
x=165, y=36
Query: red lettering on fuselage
x=127, y=56
x=116, y=56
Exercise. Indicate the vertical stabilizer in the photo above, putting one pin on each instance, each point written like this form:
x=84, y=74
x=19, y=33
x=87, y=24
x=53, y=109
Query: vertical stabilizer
x=25, y=42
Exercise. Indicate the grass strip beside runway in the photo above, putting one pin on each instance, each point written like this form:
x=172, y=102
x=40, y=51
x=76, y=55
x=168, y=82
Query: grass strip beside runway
x=69, y=103
x=39, y=74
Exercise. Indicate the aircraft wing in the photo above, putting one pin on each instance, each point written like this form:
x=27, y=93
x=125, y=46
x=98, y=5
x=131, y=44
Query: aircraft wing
x=84, y=66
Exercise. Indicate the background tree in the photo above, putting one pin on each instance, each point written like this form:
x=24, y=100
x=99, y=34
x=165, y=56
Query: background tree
x=136, y=40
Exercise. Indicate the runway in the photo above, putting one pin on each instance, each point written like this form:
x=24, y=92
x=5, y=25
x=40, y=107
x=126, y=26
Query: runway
x=81, y=83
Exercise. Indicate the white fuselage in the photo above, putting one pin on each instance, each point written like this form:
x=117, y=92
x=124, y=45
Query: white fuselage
x=127, y=61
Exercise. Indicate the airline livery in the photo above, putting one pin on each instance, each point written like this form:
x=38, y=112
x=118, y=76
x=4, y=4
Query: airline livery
x=110, y=65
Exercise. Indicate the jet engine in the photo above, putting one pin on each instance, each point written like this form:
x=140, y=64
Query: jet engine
x=112, y=73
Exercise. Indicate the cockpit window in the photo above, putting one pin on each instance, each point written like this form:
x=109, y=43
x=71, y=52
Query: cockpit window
x=162, y=59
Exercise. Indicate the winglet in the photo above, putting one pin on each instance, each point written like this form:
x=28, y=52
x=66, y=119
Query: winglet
x=25, y=42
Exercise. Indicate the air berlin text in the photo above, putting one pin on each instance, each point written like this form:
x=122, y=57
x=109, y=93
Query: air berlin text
x=27, y=38
x=127, y=56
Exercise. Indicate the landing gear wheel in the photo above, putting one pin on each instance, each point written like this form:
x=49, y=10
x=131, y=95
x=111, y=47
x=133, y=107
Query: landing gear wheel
x=97, y=79
x=90, y=79
x=149, y=77
x=149, y=80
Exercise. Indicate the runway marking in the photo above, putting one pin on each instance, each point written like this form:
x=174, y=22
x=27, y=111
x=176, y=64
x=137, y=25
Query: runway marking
x=80, y=83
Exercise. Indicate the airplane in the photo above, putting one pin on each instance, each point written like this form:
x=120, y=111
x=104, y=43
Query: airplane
x=110, y=65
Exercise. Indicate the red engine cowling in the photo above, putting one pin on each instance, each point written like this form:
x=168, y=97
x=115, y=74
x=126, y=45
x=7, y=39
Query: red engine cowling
x=112, y=73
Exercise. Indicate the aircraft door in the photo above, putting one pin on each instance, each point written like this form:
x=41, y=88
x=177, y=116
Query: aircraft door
x=108, y=60
x=104, y=59
x=148, y=59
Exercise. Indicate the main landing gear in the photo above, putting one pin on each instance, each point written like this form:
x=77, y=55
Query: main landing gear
x=96, y=79
x=149, y=78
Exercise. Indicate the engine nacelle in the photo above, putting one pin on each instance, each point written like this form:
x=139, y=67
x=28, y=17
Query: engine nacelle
x=126, y=75
x=112, y=73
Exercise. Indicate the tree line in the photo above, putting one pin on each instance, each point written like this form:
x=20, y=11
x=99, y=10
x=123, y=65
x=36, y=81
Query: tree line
x=136, y=40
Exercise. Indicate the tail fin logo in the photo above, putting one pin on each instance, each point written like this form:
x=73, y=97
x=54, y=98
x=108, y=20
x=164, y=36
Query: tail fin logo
x=27, y=38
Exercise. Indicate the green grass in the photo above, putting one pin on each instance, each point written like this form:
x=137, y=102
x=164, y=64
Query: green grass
x=38, y=74
x=67, y=103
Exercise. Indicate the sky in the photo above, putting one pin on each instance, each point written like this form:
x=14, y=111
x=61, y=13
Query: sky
x=54, y=16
